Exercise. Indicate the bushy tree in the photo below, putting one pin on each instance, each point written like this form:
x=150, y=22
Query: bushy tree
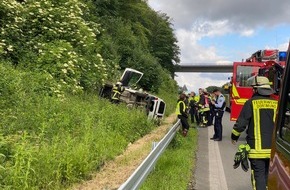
x=54, y=37
x=138, y=30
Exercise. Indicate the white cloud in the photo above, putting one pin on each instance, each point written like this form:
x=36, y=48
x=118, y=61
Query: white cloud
x=195, y=20
x=248, y=32
x=241, y=14
x=193, y=52
x=194, y=81
x=211, y=28
x=283, y=47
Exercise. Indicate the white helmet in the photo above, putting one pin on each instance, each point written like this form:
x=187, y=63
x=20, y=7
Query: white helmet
x=262, y=84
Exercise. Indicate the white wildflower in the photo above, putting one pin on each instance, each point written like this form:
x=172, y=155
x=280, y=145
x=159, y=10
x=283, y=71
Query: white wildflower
x=10, y=48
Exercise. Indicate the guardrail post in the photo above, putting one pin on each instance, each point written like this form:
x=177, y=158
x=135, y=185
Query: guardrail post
x=154, y=144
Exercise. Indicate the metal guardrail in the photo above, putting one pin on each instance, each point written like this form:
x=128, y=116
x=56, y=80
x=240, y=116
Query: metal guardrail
x=140, y=174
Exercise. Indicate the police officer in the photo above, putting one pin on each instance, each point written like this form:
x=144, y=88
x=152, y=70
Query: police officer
x=258, y=115
x=182, y=114
x=219, y=107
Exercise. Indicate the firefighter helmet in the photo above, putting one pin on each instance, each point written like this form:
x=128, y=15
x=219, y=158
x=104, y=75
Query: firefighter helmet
x=262, y=85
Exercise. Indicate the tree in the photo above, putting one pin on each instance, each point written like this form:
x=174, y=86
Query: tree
x=54, y=37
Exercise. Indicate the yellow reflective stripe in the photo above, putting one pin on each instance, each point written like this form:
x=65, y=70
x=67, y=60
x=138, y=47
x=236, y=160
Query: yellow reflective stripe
x=264, y=153
x=257, y=132
x=256, y=156
x=241, y=101
x=235, y=91
x=204, y=109
x=253, y=179
x=115, y=95
x=265, y=104
x=257, y=105
x=274, y=116
x=236, y=97
x=236, y=133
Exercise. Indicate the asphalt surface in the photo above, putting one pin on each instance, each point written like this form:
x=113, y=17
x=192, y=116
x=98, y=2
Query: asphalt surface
x=214, y=169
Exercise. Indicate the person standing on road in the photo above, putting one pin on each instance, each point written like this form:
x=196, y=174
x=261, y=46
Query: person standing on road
x=211, y=111
x=219, y=107
x=204, y=108
x=258, y=116
x=182, y=114
x=192, y=108
x=196, y=113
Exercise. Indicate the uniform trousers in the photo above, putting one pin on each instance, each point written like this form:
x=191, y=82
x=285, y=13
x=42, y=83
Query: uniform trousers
x=218, y=127
x=184, y=122
x=259, y=173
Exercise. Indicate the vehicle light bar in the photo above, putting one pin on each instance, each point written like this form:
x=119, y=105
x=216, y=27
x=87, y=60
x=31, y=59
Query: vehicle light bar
x=282, y=55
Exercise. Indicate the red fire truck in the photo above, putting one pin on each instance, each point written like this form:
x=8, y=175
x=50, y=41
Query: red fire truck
x=279, y=171
x=268, y=63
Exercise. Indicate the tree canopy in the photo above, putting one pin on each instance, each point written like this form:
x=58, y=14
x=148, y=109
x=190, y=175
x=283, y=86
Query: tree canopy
x=82, y=43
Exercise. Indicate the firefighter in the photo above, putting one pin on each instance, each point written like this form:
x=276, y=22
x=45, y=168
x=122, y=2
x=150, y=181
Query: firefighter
x=196, y=113
x=116, y=92
x=211, y=114
x=192, y=106
x=219, y=106
x=182, y=114
x=204, y=108
x=258, y=115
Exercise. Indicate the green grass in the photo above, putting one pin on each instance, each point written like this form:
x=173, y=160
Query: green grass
x=54, y=144
x=50, y=142
x=174, y=169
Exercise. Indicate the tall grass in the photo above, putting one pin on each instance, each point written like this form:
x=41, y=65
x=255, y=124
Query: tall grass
x=173, y=170
x=48, y=142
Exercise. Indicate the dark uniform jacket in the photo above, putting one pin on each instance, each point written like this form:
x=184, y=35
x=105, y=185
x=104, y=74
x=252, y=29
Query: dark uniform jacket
x=258, y=114
x=201, y=101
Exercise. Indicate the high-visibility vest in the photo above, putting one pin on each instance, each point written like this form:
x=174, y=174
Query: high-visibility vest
x=116, y=93
x=196, y=98
x=178, y=107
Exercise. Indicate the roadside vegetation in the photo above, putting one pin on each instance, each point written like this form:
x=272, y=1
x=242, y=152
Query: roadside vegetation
x=174, y=168
x=49, y=143
x=54, y=57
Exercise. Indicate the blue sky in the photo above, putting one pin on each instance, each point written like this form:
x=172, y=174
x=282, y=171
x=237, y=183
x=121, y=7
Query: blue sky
x=228, y=45
x=224, y=31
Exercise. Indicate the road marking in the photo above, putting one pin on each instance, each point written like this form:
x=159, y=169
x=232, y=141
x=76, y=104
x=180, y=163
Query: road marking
x=217, y=177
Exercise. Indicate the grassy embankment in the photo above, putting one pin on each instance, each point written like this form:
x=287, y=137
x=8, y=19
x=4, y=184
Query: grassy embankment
x=49, y=142
x=174, y=169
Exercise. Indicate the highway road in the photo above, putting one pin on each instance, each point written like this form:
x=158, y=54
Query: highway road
x=214, y=170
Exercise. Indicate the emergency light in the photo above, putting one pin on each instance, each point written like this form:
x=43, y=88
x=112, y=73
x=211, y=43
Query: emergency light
x=282, y=55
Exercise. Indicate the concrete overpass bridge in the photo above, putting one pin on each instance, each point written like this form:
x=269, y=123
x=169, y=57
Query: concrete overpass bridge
x=204, y=67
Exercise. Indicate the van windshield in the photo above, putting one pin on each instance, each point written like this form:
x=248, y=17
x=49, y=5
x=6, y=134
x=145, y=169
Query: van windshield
x=130, y=78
